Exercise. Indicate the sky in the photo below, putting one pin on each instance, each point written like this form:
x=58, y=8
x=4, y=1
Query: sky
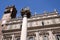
x=38, y=6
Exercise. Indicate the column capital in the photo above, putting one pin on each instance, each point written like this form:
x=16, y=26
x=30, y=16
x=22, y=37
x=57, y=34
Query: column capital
x=25, y=11
x=24, y=15
x=37, y=32
x=12, y=35
x=49, y=31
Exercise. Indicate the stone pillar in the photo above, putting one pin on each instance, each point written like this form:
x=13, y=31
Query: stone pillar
x=41, y=37
x=25, y=13
x=51, y=36
x=37, y=35
x=54, y=36
x=24, y=28
x=2, y=38
x=13, y=38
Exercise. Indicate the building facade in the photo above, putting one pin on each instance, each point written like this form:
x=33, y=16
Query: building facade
x=40, y=26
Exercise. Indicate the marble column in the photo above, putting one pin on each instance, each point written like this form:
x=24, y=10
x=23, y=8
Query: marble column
x=41, y=37
x=13, y=38
x=51, y=36
x=24, y=28
x=2, y=38
x=37, y=35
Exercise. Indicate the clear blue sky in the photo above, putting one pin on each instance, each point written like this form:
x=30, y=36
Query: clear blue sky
x=35, y=5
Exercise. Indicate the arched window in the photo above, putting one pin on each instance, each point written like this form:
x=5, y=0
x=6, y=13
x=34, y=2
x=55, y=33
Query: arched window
x=42, y=23
x=18, y=38
x=31, y=38
x=45, y=37
x=58, y=37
